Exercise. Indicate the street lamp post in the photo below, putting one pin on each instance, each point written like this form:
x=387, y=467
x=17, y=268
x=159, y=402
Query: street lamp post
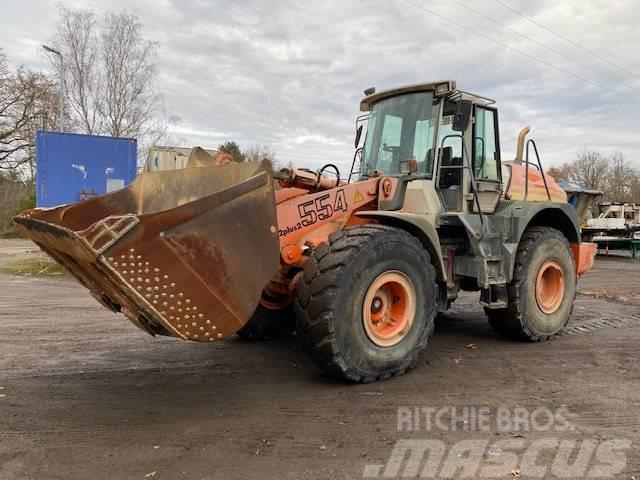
x=61, y=109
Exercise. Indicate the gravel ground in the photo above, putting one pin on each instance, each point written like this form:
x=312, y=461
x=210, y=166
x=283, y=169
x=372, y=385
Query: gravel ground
x=84, y=394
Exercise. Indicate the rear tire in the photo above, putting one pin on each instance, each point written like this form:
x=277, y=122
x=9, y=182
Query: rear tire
x=543, y=288
x=268, y=324
x=365, y=307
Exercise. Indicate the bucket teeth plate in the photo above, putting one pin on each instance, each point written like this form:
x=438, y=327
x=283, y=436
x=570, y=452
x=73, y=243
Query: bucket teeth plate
x=184, y=253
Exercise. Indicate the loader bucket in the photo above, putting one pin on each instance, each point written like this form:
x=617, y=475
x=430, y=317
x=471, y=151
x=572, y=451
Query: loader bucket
x=184, y=253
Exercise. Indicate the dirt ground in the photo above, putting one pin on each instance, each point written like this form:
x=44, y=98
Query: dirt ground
x=84, y=394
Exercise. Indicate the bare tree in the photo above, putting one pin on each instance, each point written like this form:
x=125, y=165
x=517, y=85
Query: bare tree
x=589, y=168
x=635, y=187
x=26, y=103
x=110, y=71
x=258, y=153
x=130, y=65
x=76, y=38
x=615, y=176
x=557, y=173
x=620, y=179
x=4, y=69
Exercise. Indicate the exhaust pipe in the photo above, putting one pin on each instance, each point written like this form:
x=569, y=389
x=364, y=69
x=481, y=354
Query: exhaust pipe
x=521, y=138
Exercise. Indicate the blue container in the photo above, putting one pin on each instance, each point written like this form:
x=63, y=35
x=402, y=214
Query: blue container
x=71, y=167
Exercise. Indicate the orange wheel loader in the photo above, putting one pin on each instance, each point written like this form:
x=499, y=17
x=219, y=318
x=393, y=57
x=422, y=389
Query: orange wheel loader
x=357, y=265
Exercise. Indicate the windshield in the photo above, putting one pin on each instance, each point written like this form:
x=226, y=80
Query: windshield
x=401, y=128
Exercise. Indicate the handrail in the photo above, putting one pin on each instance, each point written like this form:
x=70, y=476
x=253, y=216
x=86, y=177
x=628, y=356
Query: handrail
x=353, y=163
x=360, y=118
x=526, y=170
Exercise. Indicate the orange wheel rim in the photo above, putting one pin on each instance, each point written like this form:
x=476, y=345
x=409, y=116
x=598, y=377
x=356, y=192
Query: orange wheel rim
x=389, y=308
x=550, y=286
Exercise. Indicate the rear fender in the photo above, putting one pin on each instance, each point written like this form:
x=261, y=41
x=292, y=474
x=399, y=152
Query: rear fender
x=561, y=216
x=584, y=255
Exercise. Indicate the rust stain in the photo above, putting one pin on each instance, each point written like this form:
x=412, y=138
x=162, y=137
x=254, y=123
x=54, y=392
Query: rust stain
x=194, y=270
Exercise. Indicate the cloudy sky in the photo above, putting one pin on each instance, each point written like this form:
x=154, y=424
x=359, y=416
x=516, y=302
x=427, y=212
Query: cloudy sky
x=290, y=74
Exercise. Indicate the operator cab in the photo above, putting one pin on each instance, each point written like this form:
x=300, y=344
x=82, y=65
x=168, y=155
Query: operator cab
x=437, y=133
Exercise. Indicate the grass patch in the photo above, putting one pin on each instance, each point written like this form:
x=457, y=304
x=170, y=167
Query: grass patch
x=34, y=266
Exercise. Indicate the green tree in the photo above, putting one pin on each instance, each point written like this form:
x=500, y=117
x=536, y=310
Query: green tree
x=233, y=149
x=15, y=195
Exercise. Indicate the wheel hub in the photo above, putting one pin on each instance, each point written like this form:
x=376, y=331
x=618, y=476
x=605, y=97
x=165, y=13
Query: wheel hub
x=550, y=287
x=389, y=308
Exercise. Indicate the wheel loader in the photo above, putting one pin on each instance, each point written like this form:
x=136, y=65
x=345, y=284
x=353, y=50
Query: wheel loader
x=359, y=264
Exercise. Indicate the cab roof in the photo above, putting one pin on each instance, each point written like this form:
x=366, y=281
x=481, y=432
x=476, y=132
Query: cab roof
x=443, y=88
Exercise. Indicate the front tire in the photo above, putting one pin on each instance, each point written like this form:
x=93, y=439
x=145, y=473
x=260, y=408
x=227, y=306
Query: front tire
x=365, y=307
x=543, y=288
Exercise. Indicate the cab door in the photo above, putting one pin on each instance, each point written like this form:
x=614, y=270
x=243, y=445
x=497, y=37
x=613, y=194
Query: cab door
x=486, y=157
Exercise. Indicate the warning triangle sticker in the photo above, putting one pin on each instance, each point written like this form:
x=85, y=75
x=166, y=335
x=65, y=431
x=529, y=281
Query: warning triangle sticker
x=358, y=197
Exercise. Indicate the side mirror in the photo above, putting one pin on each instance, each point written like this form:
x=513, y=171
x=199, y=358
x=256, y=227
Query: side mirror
x=462, y=116
x=358, y=135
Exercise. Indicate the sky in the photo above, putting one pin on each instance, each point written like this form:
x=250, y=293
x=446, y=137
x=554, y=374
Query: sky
x=290, y=74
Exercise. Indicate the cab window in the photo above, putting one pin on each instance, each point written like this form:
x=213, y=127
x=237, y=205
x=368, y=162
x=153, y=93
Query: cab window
x=401, y=128
x=486, y=152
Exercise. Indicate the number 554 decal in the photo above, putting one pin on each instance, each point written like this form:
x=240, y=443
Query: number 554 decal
x=322, y=207
x=300, y=215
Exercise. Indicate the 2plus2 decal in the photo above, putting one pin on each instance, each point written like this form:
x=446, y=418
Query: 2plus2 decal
x=322, y=208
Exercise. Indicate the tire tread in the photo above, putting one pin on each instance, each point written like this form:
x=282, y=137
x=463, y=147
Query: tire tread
x=314, y=301
x=510, y=321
